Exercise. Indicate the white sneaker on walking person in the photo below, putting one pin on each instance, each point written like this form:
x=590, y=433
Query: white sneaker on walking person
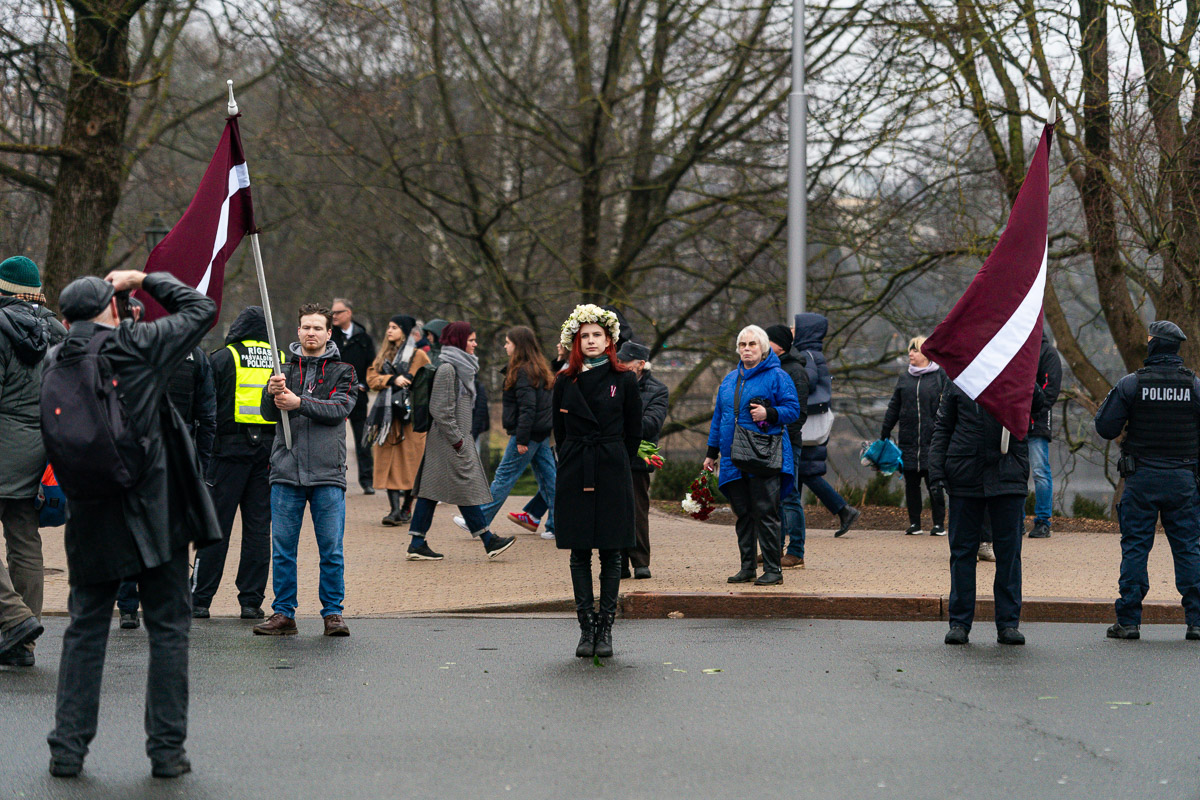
x=986, y=552
x=548, y=535
x=462, y=523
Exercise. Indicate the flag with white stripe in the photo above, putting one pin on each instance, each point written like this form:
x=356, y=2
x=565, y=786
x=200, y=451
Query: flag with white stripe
x=220, y=214
x=989, y=342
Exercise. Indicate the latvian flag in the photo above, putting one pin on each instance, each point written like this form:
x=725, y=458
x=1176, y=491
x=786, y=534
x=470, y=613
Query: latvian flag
x=220, y=214
x=989, y=342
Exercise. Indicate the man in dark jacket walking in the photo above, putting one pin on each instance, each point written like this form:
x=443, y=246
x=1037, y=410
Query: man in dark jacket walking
x=143, y=531
x=238, y=475
x=1158, y=408
x=791, y=510
x=27, y=329
x=810, y=330
x=317, y=391
x=1049, y=379
x=358, y=350
x=966, y=460
x=655, y=397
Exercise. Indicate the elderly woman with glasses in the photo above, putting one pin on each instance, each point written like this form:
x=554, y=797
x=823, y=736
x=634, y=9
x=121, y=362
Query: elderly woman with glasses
x=760, y=396
x=914, y=405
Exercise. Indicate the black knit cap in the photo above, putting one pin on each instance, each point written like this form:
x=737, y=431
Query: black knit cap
x=404, y=322
x=780, y=335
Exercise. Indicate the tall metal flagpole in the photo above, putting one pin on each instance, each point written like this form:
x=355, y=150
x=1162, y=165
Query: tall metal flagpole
x=797, y=242
x=266, y=302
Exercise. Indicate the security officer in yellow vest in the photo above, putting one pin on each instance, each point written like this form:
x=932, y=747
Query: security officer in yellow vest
x=238, y=473
x=1158, y=407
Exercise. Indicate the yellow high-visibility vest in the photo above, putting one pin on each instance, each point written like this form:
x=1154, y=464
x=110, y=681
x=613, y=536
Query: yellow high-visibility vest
x=252, y=365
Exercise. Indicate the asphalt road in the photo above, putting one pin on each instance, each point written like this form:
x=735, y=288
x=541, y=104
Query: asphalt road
x=481, y=708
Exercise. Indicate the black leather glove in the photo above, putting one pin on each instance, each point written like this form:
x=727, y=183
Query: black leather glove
x=937, y=487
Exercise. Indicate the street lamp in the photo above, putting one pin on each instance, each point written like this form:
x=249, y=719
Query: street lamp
x=797, y=229
x=155, y=233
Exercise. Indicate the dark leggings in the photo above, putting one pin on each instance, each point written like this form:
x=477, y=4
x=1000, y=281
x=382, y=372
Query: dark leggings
x=610, y=580
x=912, y=498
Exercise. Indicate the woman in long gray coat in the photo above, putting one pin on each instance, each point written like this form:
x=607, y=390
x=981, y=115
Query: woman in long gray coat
x=598, y=427
x=451, y=471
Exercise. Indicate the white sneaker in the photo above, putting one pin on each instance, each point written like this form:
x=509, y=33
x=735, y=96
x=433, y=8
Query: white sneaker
x=548, y=535
x=462, y=523
x=986, y=552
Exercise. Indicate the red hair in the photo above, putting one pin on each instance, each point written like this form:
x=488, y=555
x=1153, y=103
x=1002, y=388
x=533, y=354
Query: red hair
x=456, y=334
x=575, y=359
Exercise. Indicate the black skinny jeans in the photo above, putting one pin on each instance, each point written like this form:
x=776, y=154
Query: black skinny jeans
x=912, y=497
x=610, y=580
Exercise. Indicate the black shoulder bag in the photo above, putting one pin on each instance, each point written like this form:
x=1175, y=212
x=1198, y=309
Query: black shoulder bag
x=754, y=453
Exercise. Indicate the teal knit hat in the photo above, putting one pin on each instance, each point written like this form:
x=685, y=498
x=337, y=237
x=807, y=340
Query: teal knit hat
x=19, y=275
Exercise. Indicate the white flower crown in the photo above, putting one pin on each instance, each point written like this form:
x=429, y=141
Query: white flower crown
x=582, y=315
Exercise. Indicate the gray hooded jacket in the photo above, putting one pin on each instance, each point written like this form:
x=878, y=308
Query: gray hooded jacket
x=326, y=390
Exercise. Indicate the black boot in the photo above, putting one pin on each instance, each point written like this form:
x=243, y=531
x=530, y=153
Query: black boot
x=604, y=623
x=405, y=515
x=393, y=518
x=587, y=635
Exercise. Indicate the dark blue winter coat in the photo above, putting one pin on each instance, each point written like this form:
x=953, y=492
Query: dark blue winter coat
x=809, y=341
x=765, y=380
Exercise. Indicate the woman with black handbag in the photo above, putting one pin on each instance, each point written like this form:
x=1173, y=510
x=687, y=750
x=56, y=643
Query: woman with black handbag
x=598, y=428
x=398, y=450
x=754, y=404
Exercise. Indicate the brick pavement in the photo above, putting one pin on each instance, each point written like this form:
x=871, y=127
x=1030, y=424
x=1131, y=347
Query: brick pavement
x=687, y=557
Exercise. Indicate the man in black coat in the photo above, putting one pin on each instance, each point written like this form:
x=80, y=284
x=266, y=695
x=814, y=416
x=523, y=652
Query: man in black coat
x=1049, y=379
x=791, y=510
x=654, y=396
x=966, y=460
x=1158, y=409
x=143, y=531
x=358, y=350
x=238, y=475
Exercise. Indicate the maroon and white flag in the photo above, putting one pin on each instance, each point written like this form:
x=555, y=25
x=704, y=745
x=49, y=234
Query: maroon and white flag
x=220, y=214
x=989, y=342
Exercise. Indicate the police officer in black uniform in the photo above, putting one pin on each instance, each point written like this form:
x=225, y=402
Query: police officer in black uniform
x=1158, y=407
x=238, y=477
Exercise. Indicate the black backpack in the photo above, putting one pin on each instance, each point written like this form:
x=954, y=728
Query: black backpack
x=88, y=436
x=418, y=392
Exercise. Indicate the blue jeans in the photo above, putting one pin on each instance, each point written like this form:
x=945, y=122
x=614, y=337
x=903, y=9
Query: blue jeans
x=1149, y=493
x=327, y=506
x=791, y=514
x=1043, y=479
x=512, y=466
x=422, y=517
x=828, y=495
x=537, y=507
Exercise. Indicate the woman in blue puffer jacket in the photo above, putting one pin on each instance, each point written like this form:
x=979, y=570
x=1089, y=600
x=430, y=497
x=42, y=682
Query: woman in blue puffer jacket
x=767, y=403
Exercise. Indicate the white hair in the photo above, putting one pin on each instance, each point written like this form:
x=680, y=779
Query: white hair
x=764, y=342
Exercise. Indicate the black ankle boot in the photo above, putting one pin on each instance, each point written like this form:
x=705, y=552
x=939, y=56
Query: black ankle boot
x=393, y=519
x=604, y=623
x=405, y=515
x=587, y=634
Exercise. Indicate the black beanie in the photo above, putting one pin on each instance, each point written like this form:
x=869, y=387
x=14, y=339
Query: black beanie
x=404, y=322
x=780, y=335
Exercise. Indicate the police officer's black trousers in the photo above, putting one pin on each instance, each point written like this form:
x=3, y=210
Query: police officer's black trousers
x=967, y=514
x=234, y=484
x=167, y=612
x=1148, y=494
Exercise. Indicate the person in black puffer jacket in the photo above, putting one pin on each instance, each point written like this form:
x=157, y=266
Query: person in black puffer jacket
x=528, y=420
x=791, y=509
x=965, y=459
x=914, y=405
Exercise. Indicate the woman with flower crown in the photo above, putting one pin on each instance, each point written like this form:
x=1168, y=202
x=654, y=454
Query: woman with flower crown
x=598, y=428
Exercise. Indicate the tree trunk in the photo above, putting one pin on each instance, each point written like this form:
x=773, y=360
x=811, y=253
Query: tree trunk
x=90, y=175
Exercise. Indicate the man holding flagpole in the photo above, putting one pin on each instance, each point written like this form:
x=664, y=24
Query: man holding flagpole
x=989, y=345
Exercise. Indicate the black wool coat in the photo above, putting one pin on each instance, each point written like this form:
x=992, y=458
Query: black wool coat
x=169, y=506
x=597, y=427
x=965, y=451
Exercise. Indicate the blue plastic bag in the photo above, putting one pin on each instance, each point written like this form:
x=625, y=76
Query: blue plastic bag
x=883, y=455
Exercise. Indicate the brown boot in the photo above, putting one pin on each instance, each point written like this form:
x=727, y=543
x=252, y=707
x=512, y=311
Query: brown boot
x=276, y=625
x=336, y=626
x=792, y=562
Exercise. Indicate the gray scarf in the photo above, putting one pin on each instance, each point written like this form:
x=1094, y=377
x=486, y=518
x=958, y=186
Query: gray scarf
x=465, y=367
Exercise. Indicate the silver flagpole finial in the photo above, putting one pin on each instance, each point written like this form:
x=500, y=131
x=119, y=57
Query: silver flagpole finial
x=1053, y=118
x=232, y=107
